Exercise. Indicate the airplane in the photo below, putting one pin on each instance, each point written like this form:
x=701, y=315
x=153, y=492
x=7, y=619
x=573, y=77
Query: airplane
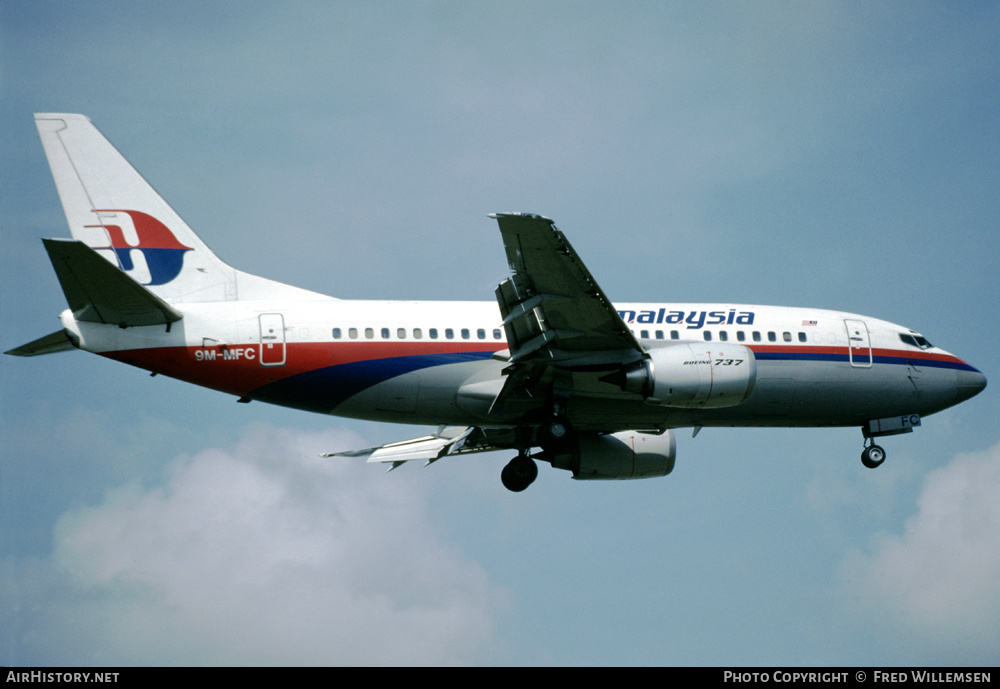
x=551, y=369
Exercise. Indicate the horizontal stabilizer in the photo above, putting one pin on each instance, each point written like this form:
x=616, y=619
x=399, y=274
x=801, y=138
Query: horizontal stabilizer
x=50, y=344
x=98, y=292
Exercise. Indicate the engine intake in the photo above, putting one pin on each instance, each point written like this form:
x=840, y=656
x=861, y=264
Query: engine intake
x=713, y=374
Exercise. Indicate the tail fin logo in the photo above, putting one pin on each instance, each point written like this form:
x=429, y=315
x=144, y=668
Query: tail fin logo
x=164, y=255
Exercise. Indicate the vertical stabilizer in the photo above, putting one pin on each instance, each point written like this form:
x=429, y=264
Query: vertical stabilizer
x=112, y=209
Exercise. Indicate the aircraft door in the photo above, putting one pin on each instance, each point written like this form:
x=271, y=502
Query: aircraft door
x=859, y=344
x=272, y=339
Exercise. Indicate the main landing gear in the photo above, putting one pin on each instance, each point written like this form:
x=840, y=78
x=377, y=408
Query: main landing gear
x=519, y=473
x=873, y=455
x=553, y=435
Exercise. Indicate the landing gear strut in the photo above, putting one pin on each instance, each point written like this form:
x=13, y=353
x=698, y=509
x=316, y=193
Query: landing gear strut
x=554, y=434
x=873, y=455
x=519, y=473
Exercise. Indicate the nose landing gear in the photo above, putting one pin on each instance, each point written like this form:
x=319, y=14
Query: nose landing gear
x=873, y=455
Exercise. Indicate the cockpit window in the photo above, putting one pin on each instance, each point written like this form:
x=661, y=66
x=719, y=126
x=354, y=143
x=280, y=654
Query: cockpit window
x=918, y=341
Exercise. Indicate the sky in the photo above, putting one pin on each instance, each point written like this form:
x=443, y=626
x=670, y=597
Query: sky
x=841, y=155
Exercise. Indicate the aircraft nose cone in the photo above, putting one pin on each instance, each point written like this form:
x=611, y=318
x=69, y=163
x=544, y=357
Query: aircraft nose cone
x=970, y=384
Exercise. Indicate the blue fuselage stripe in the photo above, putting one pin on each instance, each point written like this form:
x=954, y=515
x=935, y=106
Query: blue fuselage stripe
x=877, y=359
x=323, y=389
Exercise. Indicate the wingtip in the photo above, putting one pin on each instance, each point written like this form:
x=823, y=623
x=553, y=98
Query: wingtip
x=60, y=116
x=530, y=216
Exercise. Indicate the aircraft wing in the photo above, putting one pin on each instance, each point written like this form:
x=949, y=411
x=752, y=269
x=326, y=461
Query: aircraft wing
x=447, y=440
x=553, y=309
x=556, y=317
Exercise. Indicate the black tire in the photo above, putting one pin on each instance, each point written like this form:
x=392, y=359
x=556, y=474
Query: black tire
x=519, y=473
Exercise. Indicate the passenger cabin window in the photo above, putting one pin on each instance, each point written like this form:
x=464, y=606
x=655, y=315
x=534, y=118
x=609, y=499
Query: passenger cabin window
x=802, y=337
x=481, y=334
x=497, y=334
x=741, y=336
x=353, y=333
x=336, y=333
x=465, y=333
x=771, y=336
x=417, y=333
x=369, y=333
x=786, y=336
x=724, y=336
x=644, y=334
x=708, y=336
x=432, y=333
x=449, y=333
x=756, y=336
x=401, y=333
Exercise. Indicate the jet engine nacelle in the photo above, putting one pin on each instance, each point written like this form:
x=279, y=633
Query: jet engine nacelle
x=710, y=374
x=622, y=455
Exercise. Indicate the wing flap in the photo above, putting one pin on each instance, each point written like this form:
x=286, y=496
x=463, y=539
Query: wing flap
x=428, y=448
x=448, y=440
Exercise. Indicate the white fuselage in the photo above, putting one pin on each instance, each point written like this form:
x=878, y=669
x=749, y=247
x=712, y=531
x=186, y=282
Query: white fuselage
x=442, y=362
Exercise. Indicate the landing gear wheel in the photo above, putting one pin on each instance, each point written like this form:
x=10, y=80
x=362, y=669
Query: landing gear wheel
x=519, y=473
x=872, y=456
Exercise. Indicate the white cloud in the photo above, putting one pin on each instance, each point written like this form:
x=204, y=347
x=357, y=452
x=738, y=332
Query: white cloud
x=938, y=584
x=259, y=554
